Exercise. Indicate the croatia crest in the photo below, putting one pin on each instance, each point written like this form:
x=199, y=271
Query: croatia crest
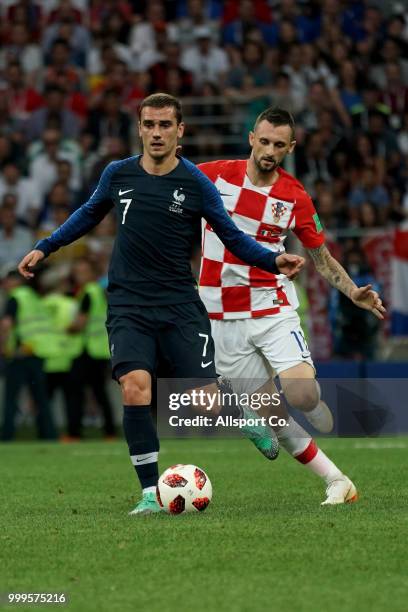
x=278, y=209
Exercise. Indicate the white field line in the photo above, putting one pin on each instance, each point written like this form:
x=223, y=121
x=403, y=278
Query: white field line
x=361, y=444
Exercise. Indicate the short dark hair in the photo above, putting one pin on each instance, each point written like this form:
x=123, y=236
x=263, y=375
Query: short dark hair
x=277, y=117
x=163, y=100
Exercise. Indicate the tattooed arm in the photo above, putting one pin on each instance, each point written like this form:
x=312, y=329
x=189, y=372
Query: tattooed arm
x=335, y=274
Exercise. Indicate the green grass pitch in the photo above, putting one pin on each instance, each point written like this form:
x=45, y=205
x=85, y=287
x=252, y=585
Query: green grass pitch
x=263, y=544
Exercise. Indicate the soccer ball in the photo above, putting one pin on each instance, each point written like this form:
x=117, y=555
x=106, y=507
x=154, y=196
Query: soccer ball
x=184, y=488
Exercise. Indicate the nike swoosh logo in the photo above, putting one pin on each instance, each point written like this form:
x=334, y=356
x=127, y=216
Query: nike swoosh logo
x=145, y=458
x=225, y=194
x=124, y=191
x=205, y=365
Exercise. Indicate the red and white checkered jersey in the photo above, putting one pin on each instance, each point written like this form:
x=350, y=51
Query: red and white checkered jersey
x=231, y=289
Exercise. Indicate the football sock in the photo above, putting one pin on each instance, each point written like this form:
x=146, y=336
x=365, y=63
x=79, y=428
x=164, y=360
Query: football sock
x=141, y=436
x=318, y=411
x=298, y=443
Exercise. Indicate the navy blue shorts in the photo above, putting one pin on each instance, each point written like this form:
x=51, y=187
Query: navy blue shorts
x=177, y=338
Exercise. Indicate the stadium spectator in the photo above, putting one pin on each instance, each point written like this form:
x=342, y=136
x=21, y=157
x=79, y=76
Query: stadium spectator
x=59, y=63
x=196, y=16
x=168, y=69
x=109, y=121
x=58, y=212
x=252, y=65
x=67, y=28
x=90, y=368
x=61, y=309
x=119, y=78
x=281, y=94
x=15, y=239
x=28, y=198
x=26, y=12
x=349, y=88
x=389, y=52
x=294, y=68
x=243, y=18
x=101, y=58
x=356, y=333
x=368, y=215
x=326, y=209
x=151, y=56
x=53, y=113
x=207, y=62
x=109, y=150
x=364, y=154
x=143, y=34
x=25, y=341
x=368, y=189
x=44, y=158
x=312, y=162
x=210, y=139
x=20, y=48
x=65, y=10
x=22, y=98
x=59, y=197
x=99, y=10
x=395, y=94
x=8, y=153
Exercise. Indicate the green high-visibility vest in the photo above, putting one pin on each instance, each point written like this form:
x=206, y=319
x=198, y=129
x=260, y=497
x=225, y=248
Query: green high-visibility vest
x=62, y=311
x=94, y=334
x=32, y=330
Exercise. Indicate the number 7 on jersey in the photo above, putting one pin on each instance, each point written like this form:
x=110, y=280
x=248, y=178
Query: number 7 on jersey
x=128, y=202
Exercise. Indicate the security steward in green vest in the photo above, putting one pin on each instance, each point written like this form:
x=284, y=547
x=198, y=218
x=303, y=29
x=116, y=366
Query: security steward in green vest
x=26, y=340
x=62, y=309
x=92, y=366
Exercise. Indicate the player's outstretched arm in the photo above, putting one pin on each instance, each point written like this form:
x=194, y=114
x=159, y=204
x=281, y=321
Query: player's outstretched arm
x=83, y=220
x=335, y=274
x=26, y=265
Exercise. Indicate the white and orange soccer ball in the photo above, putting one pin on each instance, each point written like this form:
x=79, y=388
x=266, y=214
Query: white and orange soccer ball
x=184, y=488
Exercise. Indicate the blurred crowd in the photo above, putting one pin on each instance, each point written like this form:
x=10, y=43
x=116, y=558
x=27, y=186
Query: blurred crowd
x=72, y=73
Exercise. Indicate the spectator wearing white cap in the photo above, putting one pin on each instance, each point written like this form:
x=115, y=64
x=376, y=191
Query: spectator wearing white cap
x=208, y=62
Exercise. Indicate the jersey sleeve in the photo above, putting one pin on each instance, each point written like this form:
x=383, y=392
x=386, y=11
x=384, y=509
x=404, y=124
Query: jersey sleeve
x=84, y=219
x=242, y=246
x=210, y=169
x=307, y=223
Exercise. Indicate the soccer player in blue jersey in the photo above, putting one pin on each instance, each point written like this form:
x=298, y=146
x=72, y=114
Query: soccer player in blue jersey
x=154, y=308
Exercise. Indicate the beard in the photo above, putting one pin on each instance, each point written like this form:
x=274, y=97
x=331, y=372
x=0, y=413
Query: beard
x=271, y=167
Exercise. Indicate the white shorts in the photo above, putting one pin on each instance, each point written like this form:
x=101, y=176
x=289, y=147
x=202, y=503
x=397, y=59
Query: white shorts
x=251, y=349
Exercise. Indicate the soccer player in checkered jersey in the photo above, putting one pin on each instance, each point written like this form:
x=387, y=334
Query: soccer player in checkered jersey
x=255, y=325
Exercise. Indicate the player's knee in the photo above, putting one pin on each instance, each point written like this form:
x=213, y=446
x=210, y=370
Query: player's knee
x=303, y=394
x=136, y=389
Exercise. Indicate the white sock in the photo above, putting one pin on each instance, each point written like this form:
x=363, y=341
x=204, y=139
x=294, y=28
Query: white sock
x=293, y=438
x=149, y=490
x=298, y=443
x=317, y=411
x=322, y=466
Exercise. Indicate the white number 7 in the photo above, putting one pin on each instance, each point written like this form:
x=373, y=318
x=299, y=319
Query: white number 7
x=128, y=202
x=205, y=343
